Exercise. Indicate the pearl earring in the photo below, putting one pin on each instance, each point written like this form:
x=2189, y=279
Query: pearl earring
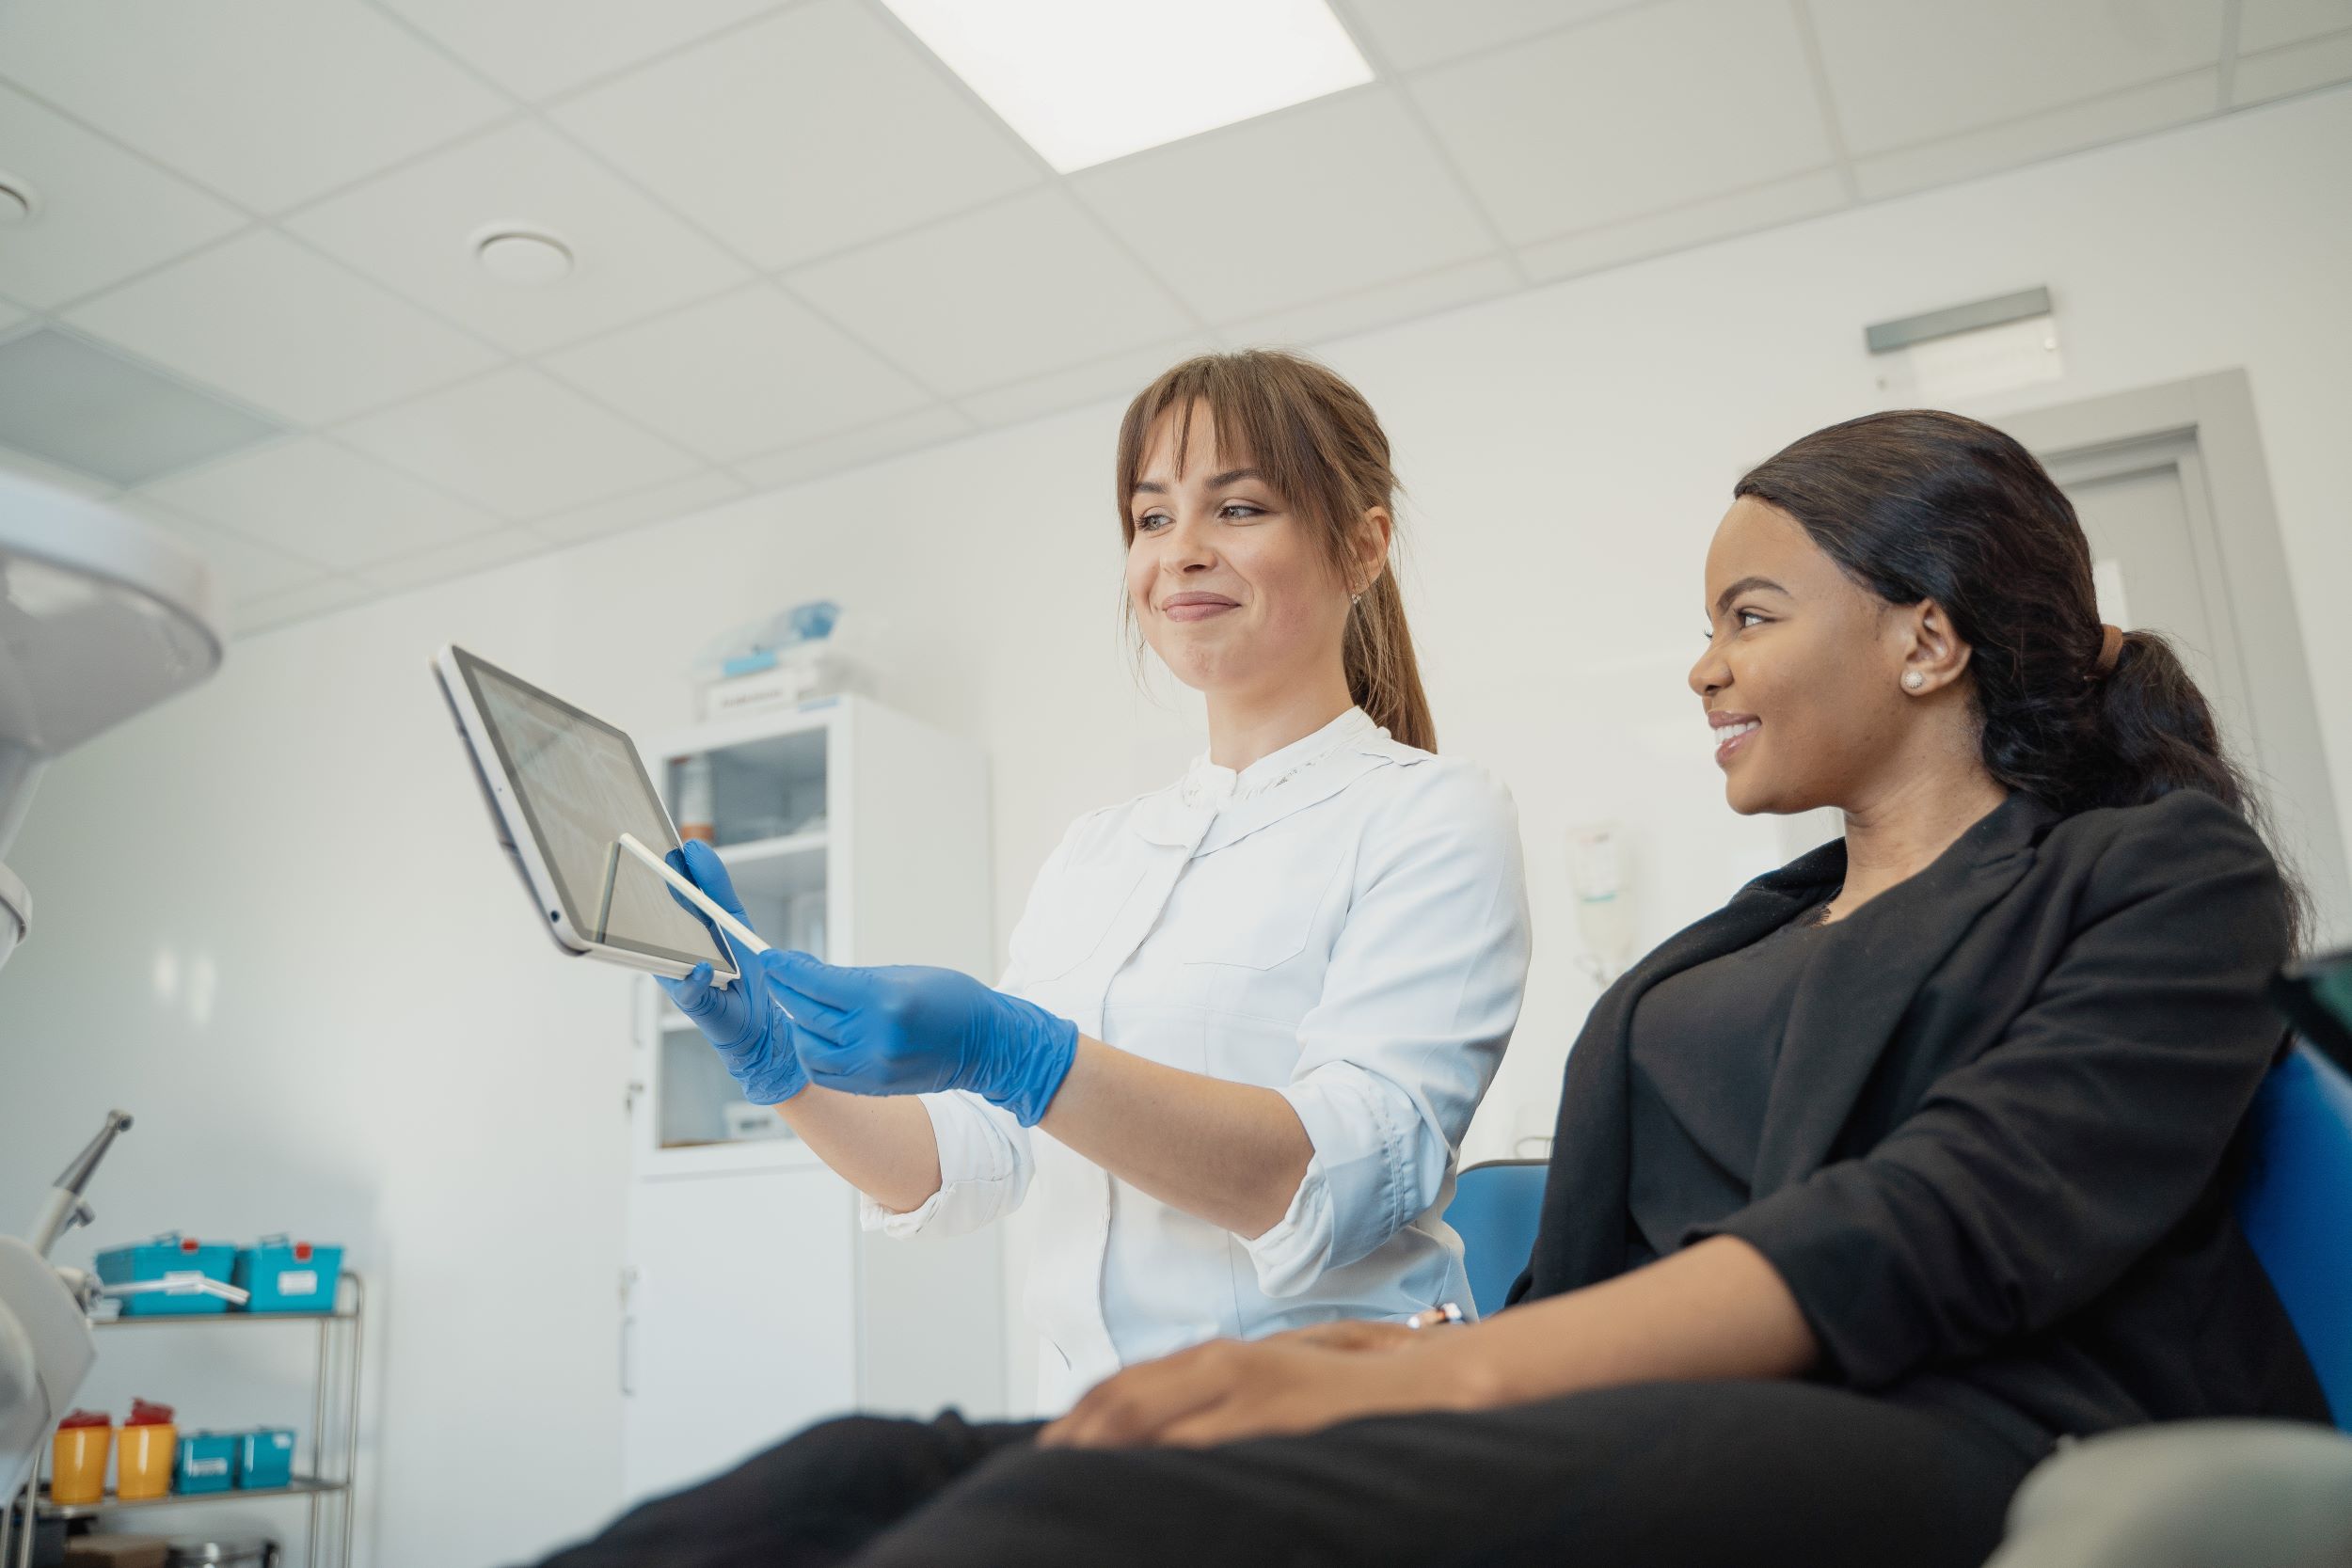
x=1914, y=680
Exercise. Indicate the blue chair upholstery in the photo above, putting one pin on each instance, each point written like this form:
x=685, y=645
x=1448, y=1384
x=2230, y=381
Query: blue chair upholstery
x=2295, y=1207
x=1495, y=1210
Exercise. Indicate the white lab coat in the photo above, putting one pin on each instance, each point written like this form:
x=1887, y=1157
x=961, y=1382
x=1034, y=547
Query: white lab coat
x=1343, y=922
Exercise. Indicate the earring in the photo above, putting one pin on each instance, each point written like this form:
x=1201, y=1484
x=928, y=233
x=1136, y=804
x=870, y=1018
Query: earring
x=1355, y=599
x=1914, y=680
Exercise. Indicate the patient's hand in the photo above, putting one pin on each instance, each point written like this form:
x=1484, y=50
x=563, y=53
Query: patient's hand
x=1301, y=1380
x=1347, y=1333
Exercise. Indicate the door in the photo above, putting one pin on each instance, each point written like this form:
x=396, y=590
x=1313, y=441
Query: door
x=2156, y=568
x=740, y=1326
x=2171, y=489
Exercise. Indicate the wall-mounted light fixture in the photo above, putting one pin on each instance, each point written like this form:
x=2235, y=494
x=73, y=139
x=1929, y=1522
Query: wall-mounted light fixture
x=1967, y=351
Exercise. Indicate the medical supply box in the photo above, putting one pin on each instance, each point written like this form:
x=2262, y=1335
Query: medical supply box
x=208, y=1463
x=284, y=1275
x=266, y=1458
x=150, y=1262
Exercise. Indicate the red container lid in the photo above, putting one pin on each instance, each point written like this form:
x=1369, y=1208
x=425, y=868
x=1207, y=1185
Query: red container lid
x=189, y=1244
x=87, y=1419
x=145, y=1413
x=302, y=1252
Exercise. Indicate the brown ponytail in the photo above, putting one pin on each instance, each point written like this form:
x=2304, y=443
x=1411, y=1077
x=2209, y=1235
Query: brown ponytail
x=1322, y=450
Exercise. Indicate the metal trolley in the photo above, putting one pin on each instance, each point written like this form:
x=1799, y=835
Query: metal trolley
x=327, y=1485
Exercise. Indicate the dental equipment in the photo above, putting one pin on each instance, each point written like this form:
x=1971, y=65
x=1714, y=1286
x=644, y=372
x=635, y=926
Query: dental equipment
x=101, y=617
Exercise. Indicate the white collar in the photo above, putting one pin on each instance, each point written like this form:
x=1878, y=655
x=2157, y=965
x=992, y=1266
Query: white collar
x=1207, y=784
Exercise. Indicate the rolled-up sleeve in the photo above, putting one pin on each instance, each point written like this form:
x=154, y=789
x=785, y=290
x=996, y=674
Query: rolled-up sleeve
x=1418, y=1002
x=2030, y=1179
x=984, y=1170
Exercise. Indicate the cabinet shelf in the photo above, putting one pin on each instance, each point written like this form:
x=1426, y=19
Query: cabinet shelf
x=777, y=868
x=863, y=836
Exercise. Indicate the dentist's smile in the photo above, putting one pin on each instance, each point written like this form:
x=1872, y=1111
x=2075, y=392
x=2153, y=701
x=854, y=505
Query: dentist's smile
x=1196, y=606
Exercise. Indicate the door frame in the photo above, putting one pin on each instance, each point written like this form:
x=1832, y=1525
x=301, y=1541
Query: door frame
x=2234, y=524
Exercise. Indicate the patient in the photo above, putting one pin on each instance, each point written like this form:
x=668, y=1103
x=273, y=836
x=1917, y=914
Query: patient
x=1909, y=1163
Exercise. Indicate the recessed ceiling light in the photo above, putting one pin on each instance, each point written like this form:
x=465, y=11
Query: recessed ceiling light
x=1086, y=81
x=17, y=201
x=528, y=258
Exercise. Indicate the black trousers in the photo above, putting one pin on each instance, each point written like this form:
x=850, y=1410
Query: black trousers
x=1651, y=1476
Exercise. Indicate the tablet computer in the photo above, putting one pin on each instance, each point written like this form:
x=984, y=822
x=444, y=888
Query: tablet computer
x=563, y=786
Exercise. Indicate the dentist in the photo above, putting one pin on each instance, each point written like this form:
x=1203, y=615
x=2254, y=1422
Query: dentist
x=1250, y=1013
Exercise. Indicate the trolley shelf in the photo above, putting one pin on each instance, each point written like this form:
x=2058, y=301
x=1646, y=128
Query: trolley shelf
x=192, y=1319
x=301, y=1486
x=334, y=1405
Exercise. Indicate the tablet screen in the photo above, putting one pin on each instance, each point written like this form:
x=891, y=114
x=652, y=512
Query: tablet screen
x=580, y=786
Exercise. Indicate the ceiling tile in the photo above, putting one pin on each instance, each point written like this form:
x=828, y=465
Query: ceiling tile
x=2297, y=68
x=453, y=561
x=414, y=230
x=106, y=413
x=1024, y=287
x=1636, y=113
x=1119, y=375
x=317, y=503
x=269, y=612
x=1904, y=71
x=535, y=48
x=886, y=438
x=518, y=442
x=288, y=330
x=817, y=130
x=1741, y=212
x=266, y=102
x=1383, y=304
x=1410, y=34
x=857, y=447
x=2174, y=101
x=240, y=569
x=1270, y=214
x=746, y=372
x=2267, y=23
x=673, y=498
x=73, y=483
x=104, y=213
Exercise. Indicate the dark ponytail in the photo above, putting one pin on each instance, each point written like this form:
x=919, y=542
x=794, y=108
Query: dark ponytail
x=1924, y=505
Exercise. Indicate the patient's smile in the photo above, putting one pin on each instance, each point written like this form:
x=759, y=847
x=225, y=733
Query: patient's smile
x=1731, y=733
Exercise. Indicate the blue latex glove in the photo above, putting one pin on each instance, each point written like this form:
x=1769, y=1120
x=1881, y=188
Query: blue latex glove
x=751, y=1031
x=909, y=1029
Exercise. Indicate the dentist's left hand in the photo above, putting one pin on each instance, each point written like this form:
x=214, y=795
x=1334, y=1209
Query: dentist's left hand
x=751, y=1031
x=910, y=1029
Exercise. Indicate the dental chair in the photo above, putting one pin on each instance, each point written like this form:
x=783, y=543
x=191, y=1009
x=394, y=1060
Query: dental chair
x=1495, y=1210
x=2235, y=1494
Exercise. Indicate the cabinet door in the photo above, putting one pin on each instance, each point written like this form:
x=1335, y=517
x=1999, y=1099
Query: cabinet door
x=742, y=1322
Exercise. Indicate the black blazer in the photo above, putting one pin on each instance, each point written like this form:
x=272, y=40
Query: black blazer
x=1998, y=1145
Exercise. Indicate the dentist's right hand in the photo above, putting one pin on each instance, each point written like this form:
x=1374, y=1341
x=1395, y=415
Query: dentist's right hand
x=744, y=1021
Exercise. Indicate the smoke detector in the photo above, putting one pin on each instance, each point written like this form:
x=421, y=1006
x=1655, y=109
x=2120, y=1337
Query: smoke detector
x=526, y=257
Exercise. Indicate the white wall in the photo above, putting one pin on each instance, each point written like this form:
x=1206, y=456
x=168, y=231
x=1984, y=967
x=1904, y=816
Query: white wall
x=369, y=1041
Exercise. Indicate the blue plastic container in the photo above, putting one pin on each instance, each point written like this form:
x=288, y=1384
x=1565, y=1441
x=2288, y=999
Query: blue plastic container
x=266, y=1458
x=167, y=1254
x=286, y=1276
x=208, y=1463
